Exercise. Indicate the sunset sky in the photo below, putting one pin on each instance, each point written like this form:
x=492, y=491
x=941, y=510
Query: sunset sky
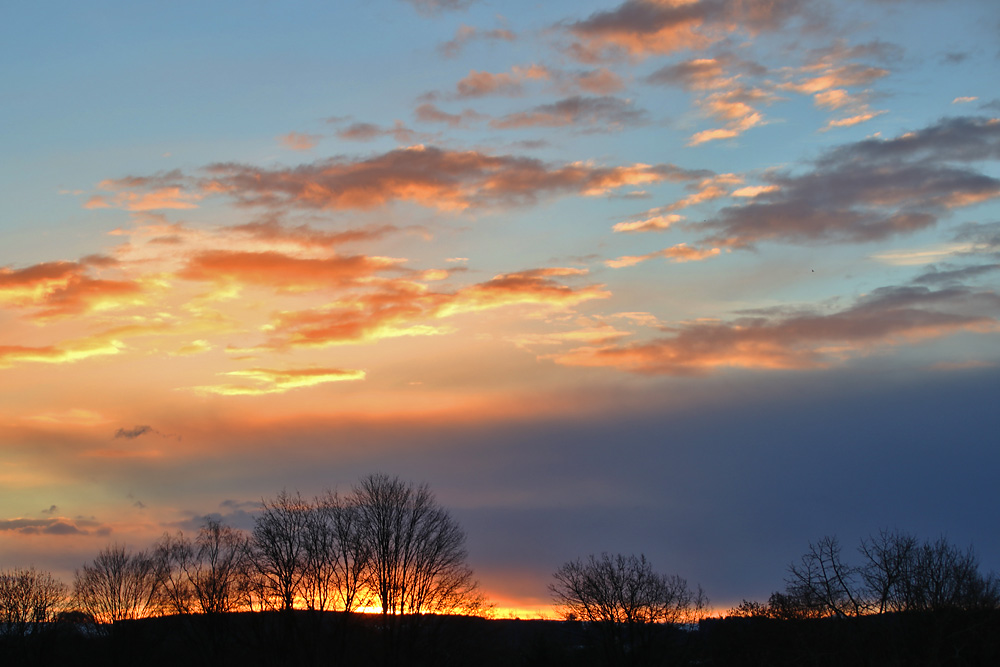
x=705, y=280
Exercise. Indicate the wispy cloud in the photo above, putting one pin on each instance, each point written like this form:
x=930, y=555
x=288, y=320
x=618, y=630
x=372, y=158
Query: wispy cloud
x=433, y=177
x=431, y=7
x=594, y=113
x=641, y=28
x=60, y=526
x=481, y=84
x=803, y=340
x=466, y=33
x=405, y=308
x=134, y=432
x=678, y=253
x=265, y=381
x=299, y=142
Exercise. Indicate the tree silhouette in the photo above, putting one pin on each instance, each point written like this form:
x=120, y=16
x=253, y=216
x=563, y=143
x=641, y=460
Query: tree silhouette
x=416, y=550
x=28, y=599
x=117, y=585
x=622, y=599
x=278, y=548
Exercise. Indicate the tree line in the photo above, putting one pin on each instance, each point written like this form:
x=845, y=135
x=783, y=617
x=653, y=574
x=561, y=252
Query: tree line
x=894, y=572
x=387, y=545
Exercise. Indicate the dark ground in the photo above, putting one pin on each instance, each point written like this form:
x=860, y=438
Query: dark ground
x=304, y=638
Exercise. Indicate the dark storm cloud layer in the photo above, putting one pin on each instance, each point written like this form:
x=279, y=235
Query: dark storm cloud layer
x=802, y=340
x=870, y=190
x=725, y=492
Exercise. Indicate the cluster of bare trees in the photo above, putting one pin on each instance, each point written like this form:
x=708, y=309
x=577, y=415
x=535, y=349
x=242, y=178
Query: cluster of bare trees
x=387, y=543
x=896, y=573
x=28, y=597
x=624, y=602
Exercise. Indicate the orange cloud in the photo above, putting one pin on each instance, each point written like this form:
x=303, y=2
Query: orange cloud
x=836, y=76
x=162, y=198
x=480, y=84
x=810, y=340
x=706, y=189
x=601, y=81
x=730, y=131
x=591, y=335
x=269, y=381
x=827, y=79
x=404, y=308
x=852, y=120
x=272, y=231
x=679, y=253
x=656, y=223
x=535, y=287
x=299, y=142
x=695, y=74
x=641, y=28
x=57, y=289
x=282, y=271
x=442, y=179
x=53, y=354
x=29, y=286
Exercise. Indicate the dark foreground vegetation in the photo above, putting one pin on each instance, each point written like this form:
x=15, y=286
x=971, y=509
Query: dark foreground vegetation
x=290, y=592
x=333, y=638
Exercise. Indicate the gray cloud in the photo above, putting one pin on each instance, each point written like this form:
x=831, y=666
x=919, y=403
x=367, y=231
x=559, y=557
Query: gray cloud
x=799, y=340
x=430, y=7
x=54, y=526
x=466, y=34
x=955, y=276
x=870, y=190
x=605, y=113
x=641, y=28
x=134, y=432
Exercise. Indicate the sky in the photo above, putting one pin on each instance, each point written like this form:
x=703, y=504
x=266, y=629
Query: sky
x=705, y=280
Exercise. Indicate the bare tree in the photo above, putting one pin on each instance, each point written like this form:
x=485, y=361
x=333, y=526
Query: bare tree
x=28, y=598
x=887, y=571
x=823, y=581
x=321, y=576
x=945, y=577
x=624, y=602
x=897, y=574
x=172, y=555
x=205, y=575
x=349, y=552
x=279, y=548
x=216, y=573
x=118, y=585
x=417, y=551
